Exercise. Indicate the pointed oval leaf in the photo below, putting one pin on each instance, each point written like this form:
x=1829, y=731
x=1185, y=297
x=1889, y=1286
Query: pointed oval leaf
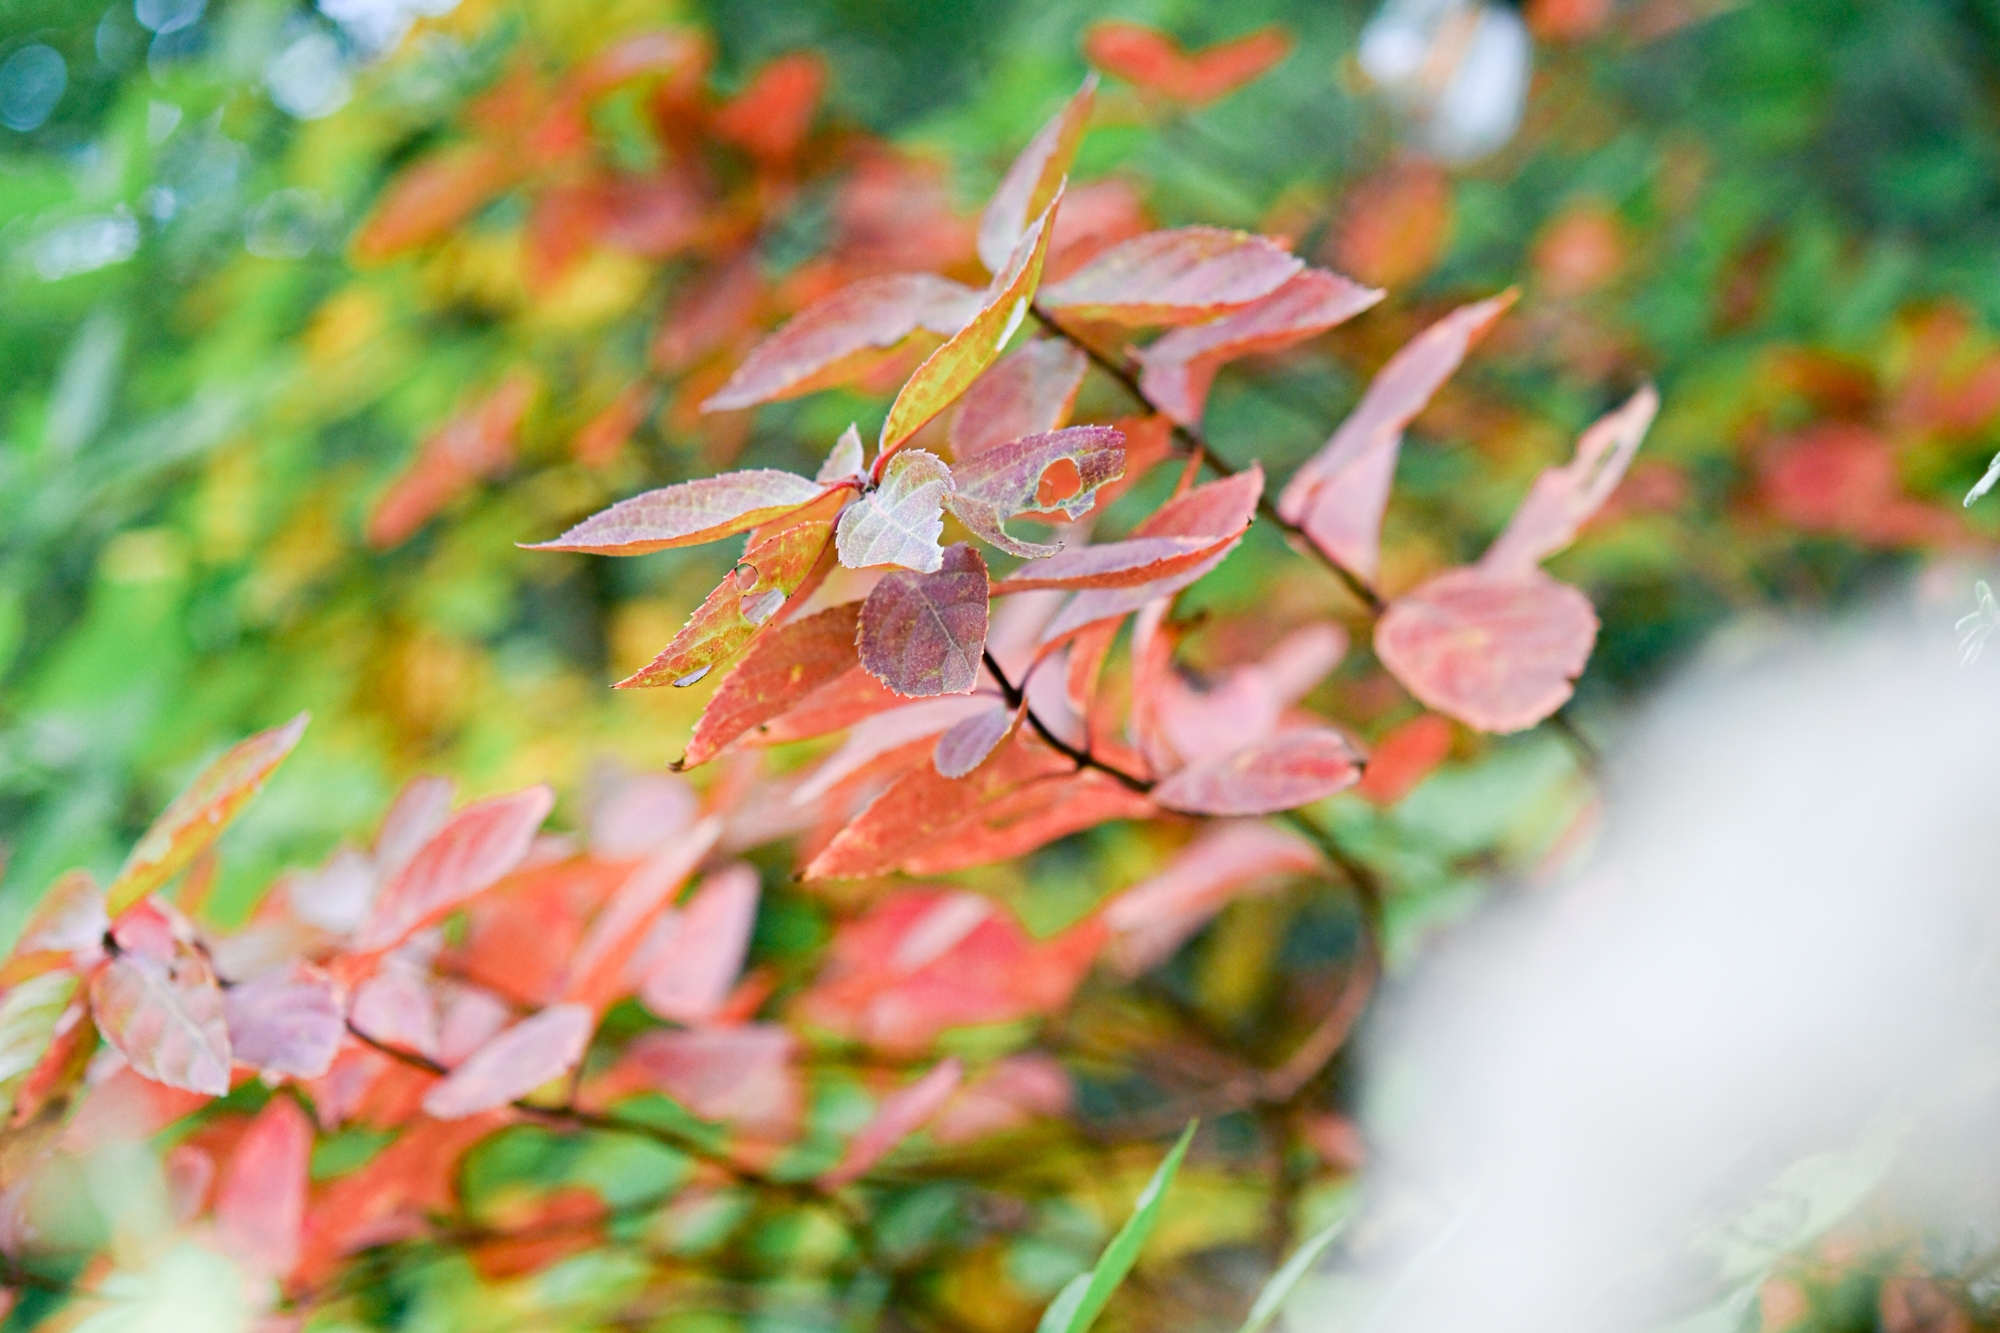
x=431, y=197
x=966, y=744
x=597, y=973
x=689, y=514
x=886, y=732
x=287, y=1020
x=841, y=336
x=844, y=461
x=1155, y=61
x=1339, y=495
x=1033, y=179
x=1276, y=1291
x=688, y=973
x=1183, y=276
x=1029, y=391
x=1496, y=651
x=1079, y=1304
x=482, y=842
x=899, y=521
x=260, y=1201
x=901, y=1114
x=922, y=634
x=1152, y=918
x=951, y=370
x=1288, y=770
x=781, y=669
x=747, y=600
x=197, y=817
x=540, y=1047
x=1563, y=498
x=1177, y=369
x=165, y=1016
x=1060, y=469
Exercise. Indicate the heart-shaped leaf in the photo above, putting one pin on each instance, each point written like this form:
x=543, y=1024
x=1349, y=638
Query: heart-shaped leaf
x=922, y=634
x=1181, y=276
x=1282, y=772
x=689, y=514
x=898, y=522
x=748, y=599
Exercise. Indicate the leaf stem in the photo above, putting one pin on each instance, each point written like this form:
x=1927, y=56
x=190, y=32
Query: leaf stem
x=1017, y=700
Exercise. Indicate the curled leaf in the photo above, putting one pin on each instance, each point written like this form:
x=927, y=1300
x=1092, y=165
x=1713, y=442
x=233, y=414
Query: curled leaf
x=922, y=634
x=747, y=600
x=1563, y=498
x=900, y=520
x=689, y=514
x=1033, y=179
x=1061, y=469
x=1283, y=772
x=781, y=669
x=1181, y=276
x=541, y=1047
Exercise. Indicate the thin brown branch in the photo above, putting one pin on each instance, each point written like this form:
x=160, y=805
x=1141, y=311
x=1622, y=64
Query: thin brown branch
x=1017, y=700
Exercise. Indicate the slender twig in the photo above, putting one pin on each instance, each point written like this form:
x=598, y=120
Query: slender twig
x=1017, y=700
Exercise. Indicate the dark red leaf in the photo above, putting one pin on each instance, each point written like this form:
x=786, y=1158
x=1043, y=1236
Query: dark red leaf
x=781, y=669
x=1288, y=770
x=900, y=1114
x=1032, y=181
x=544, y=1046
x=689, y=514
x=1182, y=276
x=482, y=842
x=922, y=634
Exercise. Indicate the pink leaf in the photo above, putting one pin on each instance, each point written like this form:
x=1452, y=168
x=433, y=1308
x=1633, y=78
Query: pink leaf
x=1563, y=498
x=1061, y=469
x=1033, y=179
x=544, y=1046
x=781, y=669
x=597, y=972
x=744, y=1075
x=899, y=521
x=1496, y=651
x=419, y=811
x=1288, y=770
x=260, y=1202
x=1182, y=534
x=1007, y=1096
x=888, y=731
x=1339, y=495
x=197, y=817
x=965, y=746
x=1247, y=703
x=922, y=634
x=287, y=1020
x=1183, y=276
x=840, y=336
x=165, y=1016
x=482, y=842
x=1151, y=919
x=845, y=461
x=693, y=956
x=397, y=1008
x=640, y=814
x=901, y=1114
x=1178, y=368
x=68, y=923
x=694, y=512
x=1027, y=392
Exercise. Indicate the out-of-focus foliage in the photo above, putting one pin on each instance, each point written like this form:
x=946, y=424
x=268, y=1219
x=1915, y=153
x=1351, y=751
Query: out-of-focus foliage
x=276, y=418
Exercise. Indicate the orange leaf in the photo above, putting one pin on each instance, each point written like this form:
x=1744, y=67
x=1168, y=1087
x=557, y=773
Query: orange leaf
x=781, y=669
x=1181, y=276
x=1156, y=62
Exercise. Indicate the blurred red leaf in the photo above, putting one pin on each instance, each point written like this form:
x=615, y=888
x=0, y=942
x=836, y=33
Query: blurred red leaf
x=744, y=1076
x=1150, y=920
x=1394, y=225
x=597, y=974
x=1288, y=770
x=898, y=522
x=287, y=1020
x=598, y=442
x=838, y=338
x=1183, y=276
x=689, y=514
x=476, y=444
x=1496, y=651
x=1567, y=20
x=1156, y=62
x=769, y=119
x=1178, y=368
x=691, y=957
x=1406, y=756
x=1580, y=250
x=782, y=668
x=1027, y=392
x=718, y=309
x=1339, y=495
x=1060, y=469
x=197, y=817
x=482, y=842
x=1839, y=477
x=260, y=1200
x=899, y=1115
x=1246, y=704
x=541, y=1047
x=164, y=1013
x=922, y=634
x=1563, y=498
x=1013, y=1092
x=433, y=196
x=1029, y=816
x=1032, y=180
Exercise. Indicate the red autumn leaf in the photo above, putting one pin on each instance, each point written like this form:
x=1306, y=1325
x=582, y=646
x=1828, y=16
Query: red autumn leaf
x=1496, y=651
x=1155, y=61
x=541, y=1047
x=260, y=1200
x=717, y=310
x=1183, y=276
x=1029, y=391
x=900, y=1114
x=1406, y=756
x=691, y=957
x=1841, y=477
x=745, y=1076
x=1395, y=224
x=1563, y=498
x=1177, y=369
x=1013, y=1092
x=951, y=369
x=1061, y=469
x=840, y=703
x=164, y=1013
x=781, y=669
x=195, y=819
x=1153, y=918
x=433, y=196
x=885, y=733
x=1288, y=770
x=597, y=444
x=597, y=972
x=922, y=634
x=67, y=924
x=965, y=745
x=898, y=522
x=1030, y=816
x=769, y=119
x=1339, y=496
x=765, y=579
x=1247, y=703
x=1181, y=535
x=1033, y=179
x=638, y=815
x=473, y=445
x=482, y=842
x=694, y=512
x=842, y=336
x=286, y=1020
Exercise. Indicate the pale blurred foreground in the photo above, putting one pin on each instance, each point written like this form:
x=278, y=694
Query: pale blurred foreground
x=1761, y=1021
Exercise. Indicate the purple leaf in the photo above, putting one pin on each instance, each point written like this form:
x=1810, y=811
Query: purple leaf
x=965, y=746
x=287, y=1020
x=922, y=634
x=544, y=1046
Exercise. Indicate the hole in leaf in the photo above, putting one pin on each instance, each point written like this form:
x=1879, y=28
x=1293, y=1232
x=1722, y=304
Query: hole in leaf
x=1059, y=481
x=690, y=678
x=746, y=576
x=762, y=607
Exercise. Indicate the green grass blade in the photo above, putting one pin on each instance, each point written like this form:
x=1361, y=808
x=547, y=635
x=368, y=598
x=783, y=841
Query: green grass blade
x=1077, y=1305
x=1272, y=1298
